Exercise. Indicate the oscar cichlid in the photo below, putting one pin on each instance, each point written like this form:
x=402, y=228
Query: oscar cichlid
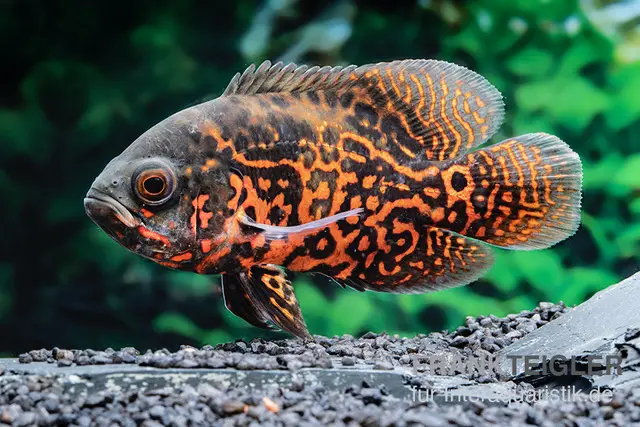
x=371, y=175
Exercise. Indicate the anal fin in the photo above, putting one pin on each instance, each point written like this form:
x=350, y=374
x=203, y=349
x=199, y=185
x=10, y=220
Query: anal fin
x=441, y=259
x=352, y=282
x=271, y=294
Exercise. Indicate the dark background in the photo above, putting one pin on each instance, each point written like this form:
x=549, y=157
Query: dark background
x=81, y=80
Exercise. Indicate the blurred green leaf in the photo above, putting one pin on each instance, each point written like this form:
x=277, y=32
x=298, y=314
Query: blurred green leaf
x=575, y=101
x=191, y=284
x=627, y=174
x=536, y=95
x=504, y=273
x=628, y=240
x=598, y=175
x=634, y=206
x=542, y=269
x=530, y=63
x=625, y=87
x=581, y=53
x=581, y=281
x=177, y=323
x=349, y=313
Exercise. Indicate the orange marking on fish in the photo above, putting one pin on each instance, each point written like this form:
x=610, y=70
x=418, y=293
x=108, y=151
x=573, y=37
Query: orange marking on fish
x=418, y=175
x=212, y=259
x=396, y=89
x=152, y=235
x=364, y=243
x=418, y=264
x=492, y=200
x=479, y=120
x=432, y=192
x=146, y=213
x=168, y=264
x=373, y=203
x=465, y=107
x=448, y=123
x=432, y=117
x=547, y=185
x=505, y=170
x=204, y=218
x=421, y=102
x=437, y=214
x=236, y=183
x=182, y=257
x=323, y=191
x=405, y=279
x=368, y=181
x=383, y=270
x=459, y=119
x=281, y=309
x=401, y=227
x=264, y=184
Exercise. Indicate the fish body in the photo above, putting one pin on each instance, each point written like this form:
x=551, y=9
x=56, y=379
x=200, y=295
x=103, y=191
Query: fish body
x=370, y=175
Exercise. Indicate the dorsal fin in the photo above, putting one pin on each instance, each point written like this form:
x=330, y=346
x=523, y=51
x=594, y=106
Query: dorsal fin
x=446, y=108
x=290, y=78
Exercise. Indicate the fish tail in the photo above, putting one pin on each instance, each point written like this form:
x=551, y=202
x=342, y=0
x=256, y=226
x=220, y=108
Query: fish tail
x=522, y=193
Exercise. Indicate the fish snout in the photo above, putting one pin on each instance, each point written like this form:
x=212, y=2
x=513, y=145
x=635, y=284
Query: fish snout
x=100, y=206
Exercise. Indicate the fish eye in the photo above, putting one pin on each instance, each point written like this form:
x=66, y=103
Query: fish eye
x=154, y=183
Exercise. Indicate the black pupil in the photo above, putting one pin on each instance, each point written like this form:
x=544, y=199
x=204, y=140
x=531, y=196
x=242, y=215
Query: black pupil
x=154, y=185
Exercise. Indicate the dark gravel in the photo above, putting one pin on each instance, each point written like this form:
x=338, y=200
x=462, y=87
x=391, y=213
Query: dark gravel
x=481, y=335
x=37, y=400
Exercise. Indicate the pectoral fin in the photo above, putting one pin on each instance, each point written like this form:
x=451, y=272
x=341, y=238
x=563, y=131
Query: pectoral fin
x=272, y=298
x=274, y=232
x=239, y=303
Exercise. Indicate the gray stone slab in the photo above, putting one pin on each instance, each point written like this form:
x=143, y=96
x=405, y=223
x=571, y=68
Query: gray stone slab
x=120, y=378
x=592, y=328
x=400, y=383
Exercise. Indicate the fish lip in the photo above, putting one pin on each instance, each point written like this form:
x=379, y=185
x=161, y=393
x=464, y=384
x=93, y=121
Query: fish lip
x=96, y=201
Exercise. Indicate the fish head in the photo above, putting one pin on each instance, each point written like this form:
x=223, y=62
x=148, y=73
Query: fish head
x=166, y=197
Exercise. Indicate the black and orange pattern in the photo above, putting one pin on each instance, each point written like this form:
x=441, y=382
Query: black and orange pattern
x=370, y=175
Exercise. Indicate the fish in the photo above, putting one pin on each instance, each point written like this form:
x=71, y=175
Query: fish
x=375, y=176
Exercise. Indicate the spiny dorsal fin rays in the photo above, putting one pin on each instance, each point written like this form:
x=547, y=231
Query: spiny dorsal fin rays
x=446, y=108
x=290, y=78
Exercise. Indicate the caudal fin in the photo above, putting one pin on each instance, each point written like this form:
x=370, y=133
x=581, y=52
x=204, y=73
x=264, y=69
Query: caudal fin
x=526, y=191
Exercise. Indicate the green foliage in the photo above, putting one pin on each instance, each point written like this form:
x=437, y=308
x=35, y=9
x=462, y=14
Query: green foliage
x=78, y=92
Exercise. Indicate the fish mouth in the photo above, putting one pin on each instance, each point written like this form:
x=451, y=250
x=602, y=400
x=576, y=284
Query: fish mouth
x=98, y=205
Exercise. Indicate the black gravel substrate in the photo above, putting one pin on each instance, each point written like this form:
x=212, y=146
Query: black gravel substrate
x=41, y=400
x=484, y=334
